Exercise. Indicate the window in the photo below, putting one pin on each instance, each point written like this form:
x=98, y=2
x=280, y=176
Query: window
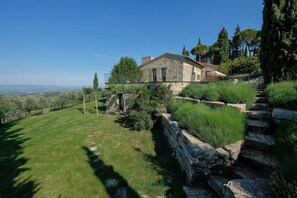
x=155, y=75
x=163, y=74
x=208, y=74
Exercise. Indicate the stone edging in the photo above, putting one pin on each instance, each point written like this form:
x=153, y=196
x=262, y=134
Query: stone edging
x=196, y=158
x=240, y=106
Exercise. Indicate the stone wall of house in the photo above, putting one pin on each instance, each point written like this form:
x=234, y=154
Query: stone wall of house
x=196, y=158
x=173, y=64
x=175, y=87
x=210, y=77
x=191, y=73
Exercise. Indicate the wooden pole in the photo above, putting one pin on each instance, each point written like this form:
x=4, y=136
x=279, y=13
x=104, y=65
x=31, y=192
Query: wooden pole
x=96, y=103
x=84, y=103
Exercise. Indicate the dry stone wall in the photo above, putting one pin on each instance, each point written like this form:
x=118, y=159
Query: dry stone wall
x=198, y=159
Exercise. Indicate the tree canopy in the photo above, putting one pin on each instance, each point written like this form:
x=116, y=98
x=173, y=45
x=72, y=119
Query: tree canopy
x=185, y=52
x=221, y=54
x=199, y=51
x=124, y=71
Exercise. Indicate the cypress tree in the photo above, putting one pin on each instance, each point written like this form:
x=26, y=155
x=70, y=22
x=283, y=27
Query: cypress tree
x=222, y=54
x=185, y=52
x=278, y=53
x=95, y=83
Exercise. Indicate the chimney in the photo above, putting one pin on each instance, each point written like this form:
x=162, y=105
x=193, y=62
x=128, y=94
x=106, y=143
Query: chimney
x=146, y=59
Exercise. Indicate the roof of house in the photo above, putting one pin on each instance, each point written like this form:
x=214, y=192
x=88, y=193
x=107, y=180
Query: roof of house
x=185, y=58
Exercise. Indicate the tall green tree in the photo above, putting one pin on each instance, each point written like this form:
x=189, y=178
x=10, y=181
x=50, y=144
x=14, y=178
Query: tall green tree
x=221, y=54
x=95, y=83
x=125, y=70
x=236, y=44
x=185, y=52
x=278, y=55
x=199, y=51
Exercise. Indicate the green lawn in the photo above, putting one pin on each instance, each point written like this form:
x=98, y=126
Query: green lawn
x=48, y=156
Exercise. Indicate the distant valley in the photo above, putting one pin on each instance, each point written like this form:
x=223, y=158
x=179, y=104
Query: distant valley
x=13, y=89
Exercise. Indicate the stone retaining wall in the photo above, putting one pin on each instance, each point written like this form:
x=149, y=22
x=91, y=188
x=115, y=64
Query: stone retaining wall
x=196, y=158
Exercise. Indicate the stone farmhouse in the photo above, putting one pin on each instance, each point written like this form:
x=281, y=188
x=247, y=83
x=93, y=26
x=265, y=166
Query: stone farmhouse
x=177, y=71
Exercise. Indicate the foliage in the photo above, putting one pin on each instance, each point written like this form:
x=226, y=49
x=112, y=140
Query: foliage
x=284, y=181
x=124, y=71
x=116, y=88
x=160, y=98
x=141, y=104
x=283, y=94
x=236, y=44
x=249, y=41
x=222, y=51
x=185, y=52
x=199, y=51
x=278, y=55
x=95, y=83
x=218, y=127
x=223, y=91
x=148, y=103
x=242, y=64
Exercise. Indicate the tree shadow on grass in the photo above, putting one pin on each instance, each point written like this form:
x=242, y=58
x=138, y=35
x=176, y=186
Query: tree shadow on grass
x=105, y=173
x=11, y=164
x=165, y=164
x=125, y=122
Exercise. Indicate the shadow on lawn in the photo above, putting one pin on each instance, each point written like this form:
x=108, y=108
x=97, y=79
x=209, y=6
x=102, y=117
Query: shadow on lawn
x=165, y=164
x=11, y=164
x=105, y=172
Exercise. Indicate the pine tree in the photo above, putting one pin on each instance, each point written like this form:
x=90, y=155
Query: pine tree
x=278, y=53
x=222, y=55
x=95, y=83
x=185, y=52
x=199, y=51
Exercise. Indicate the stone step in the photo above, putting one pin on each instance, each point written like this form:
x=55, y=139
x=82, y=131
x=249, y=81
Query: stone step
x=258, y=115
x=258, y=126
x=262, y=142
x=260, y=99
x=248, y=188
x=261, y=93
x=259, y=159
x=217, y=183
x=260, y=106
x=194, y=192
x=242, y=171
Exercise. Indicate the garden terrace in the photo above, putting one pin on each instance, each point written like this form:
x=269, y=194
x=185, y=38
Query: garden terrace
x=222, y=91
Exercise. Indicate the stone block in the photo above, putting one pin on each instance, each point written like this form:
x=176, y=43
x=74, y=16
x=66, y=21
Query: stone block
x=234, y=149
x=217, y=183
x=248, y=189
x=240, y=107
x=284, y=114
x=213, y=103
x=194, y=192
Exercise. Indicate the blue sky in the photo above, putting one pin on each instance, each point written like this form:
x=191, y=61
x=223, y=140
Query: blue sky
x=64, y=42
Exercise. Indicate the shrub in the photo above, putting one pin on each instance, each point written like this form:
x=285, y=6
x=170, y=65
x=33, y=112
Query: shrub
x=160, y=98
x=116, y=88
x=223, y=91
x=283, y=94
x=284, y=181
x=217, y=127
x=141, y=120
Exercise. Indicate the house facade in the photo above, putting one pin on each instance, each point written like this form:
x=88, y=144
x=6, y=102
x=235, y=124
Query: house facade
x=177, y=71
x=176, y=68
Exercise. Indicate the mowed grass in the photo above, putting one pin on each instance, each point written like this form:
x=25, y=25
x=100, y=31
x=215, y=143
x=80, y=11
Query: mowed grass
x=47, y=156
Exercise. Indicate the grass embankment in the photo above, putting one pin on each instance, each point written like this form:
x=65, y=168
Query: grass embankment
x=222, y=91
x=284, y=181
x=218, y=127
x=47, y=156
x=283, y=94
